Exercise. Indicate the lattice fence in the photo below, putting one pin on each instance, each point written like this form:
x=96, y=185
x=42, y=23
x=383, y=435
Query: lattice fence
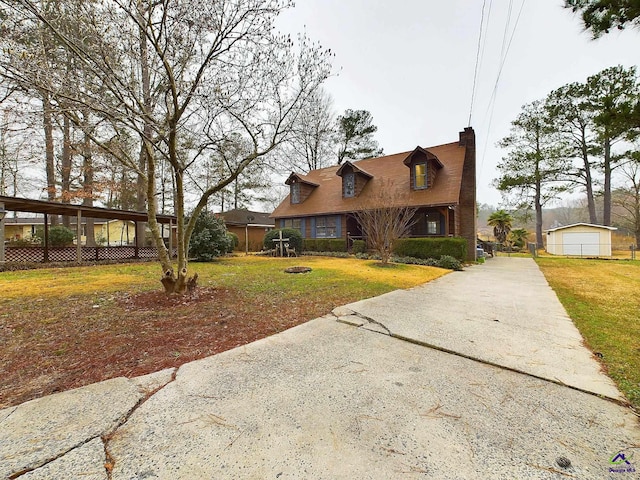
x=89, y=254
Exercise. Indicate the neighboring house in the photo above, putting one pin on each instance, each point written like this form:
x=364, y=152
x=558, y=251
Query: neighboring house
x=580, y=239
x=248, y=225
x=106, y=232
x=439, y=181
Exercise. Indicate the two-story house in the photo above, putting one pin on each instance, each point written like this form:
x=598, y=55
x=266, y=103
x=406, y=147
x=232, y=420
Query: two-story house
x=438, y=181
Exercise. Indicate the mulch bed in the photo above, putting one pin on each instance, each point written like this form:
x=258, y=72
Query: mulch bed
x=61, y=344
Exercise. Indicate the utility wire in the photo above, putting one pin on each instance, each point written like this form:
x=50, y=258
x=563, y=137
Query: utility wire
x=492, y=101
x=475, y=72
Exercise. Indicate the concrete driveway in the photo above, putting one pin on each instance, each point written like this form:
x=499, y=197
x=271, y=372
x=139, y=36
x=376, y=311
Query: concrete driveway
x=477, y=375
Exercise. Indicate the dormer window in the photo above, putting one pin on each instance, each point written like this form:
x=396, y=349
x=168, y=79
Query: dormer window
x=349, y=185
x=295, y=193
x=423, y=167
x=354, y=179
x=420, y=176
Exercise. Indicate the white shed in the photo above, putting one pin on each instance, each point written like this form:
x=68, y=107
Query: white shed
x=580, y=239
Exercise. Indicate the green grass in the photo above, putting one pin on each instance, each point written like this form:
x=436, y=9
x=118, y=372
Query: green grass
x=252, y=275
x=603, y=299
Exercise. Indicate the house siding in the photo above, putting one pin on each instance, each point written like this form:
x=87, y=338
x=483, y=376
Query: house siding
x=305, y=191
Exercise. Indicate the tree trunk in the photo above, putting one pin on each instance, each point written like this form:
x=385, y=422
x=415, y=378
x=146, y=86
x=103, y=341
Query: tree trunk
x=65, y=174
x=606, y=215
x=50, y=160
x=591, y=203
x=87, y=198
x=141, y=183
x=538, y=192
x=538, y=207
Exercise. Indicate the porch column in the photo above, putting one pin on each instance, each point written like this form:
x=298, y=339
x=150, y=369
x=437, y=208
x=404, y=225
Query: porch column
x=79, y=236
x=170, y=238
x=137, y=244
x=46, y=238
x=2, y=215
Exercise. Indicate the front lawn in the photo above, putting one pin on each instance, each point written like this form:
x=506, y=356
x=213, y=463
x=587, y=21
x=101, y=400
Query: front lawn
x=61, y=328
x=603, y=299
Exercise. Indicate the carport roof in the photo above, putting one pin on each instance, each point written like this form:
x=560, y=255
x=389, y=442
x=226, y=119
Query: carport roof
x=53, y=208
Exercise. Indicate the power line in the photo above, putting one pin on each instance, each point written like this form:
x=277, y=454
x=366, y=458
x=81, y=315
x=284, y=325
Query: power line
x=475, y=72
x=492, y=100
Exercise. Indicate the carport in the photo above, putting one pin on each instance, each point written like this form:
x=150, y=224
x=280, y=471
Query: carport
x=47, y=209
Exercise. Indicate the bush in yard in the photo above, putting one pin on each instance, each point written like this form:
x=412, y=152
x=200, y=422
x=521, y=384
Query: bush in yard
x=234, y=241
x=294, y=236
x=309, y=245
x=429, y=262
x=359, y=246
x=432, y=247
x=209, y=239
x=60, y=236
x=326, y=254
x=324, y=245
x=447, y=261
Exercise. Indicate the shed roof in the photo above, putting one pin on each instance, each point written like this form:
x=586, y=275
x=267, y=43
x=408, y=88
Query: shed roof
x=564, y=227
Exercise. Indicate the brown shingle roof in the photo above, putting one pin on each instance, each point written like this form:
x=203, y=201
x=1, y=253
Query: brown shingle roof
x=327, y=198
x=240, y=216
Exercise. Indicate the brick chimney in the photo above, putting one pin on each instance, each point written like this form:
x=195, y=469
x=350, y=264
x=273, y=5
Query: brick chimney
x=467, y=138
x=467, y=201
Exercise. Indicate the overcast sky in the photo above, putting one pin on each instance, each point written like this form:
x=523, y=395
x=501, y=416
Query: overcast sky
x=411, y=64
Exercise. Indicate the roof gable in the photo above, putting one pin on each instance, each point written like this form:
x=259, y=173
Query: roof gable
x=355, y=168
x=296, y=177
x=419, y=154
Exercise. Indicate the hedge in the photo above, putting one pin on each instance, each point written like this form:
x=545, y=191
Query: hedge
x=359, y=246
x=324, y=245
x=432, y=247
x=294, y=236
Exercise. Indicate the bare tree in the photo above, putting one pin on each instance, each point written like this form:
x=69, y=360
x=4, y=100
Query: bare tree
x=627, y=197
x=310, y=145
x=182, y=77
x=384, y=219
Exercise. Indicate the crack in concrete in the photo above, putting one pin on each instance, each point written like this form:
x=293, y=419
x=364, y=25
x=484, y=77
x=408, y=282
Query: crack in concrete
x=46, y=462
x=364, y=317
x=479, y=360
x=109, y=461
x=13, y=409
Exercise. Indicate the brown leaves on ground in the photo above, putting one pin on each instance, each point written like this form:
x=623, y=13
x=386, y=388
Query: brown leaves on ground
x=59, y=344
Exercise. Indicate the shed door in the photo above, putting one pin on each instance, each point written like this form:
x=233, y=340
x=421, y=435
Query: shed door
x=581, y=244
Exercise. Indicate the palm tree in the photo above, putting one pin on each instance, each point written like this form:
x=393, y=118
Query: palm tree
x=501, y=223
x=518, y=237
